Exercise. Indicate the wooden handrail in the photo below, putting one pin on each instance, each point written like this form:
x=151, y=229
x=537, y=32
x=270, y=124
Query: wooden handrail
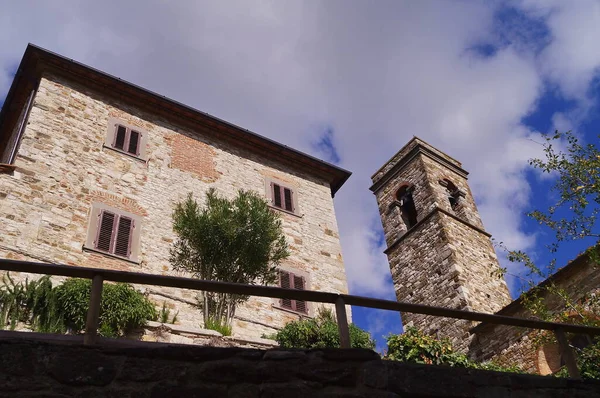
x=98, y=275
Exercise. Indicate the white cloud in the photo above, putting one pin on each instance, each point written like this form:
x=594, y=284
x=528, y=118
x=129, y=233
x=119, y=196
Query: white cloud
x=377, y=75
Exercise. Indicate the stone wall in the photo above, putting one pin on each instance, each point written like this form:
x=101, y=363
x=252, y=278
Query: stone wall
x=446, y=259
x=63, y=166
x=33, y=368
x=510, y=345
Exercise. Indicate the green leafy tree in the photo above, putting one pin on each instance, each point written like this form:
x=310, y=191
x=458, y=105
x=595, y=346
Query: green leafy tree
x=572, y=216
x=239, y=240
x=320, y=332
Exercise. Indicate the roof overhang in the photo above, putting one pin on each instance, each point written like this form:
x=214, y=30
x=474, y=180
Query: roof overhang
x=37, y=60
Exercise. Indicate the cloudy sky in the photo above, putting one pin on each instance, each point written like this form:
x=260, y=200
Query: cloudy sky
x=351, y=82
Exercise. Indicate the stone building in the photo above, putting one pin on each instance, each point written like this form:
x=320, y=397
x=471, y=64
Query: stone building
x=92, y=167
x=440, y=254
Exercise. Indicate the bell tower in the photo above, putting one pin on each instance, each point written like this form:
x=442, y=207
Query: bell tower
x=438, y=250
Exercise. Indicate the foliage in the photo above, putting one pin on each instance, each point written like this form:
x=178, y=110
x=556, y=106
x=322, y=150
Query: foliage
x=239, y=240
x=49, y=309
x=214, y=324
x=320, y=332
x=416, y=347
x=572, y=217
x=587, y=362
x=165, y=314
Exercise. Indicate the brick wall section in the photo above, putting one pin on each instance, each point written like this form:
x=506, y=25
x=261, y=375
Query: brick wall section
x=29, y=368
x=63, y=166
x=445, y=260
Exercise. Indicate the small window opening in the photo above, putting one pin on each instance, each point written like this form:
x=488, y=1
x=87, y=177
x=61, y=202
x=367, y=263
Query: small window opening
x=288, y=280
x=454, y=194
x=127, y=140
x=114, y=234
x=408, y=210
x=283, y=197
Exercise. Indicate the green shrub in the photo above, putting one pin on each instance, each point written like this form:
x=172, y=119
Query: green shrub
x=165, y=314
x=49, y=309
x=215, y=324
x=122, y=308
x=320, y=332
x=416, y=347
x=588, y=362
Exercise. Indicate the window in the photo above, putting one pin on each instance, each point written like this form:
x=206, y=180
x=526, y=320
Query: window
x=454, y=194
x=282, y=197
x=408, y=211
x=126, y=138
x=113, y=232
x=289, y=280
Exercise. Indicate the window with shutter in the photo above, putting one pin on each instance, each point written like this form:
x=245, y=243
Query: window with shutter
x=282, y=197
x=288, y=280
x=114, y=234
x=125, y=138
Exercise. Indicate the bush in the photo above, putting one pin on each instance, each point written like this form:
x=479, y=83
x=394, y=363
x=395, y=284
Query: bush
x=320, y=332
x=416, y=347
x=49, y=309
x=588, y=362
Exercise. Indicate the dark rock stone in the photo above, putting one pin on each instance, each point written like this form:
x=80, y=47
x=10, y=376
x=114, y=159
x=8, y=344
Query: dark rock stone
x=373, y=374
x=17, y=360
x=332, y=373
x=86, y=367
x=164, y=390
x=296, y=389
x=145, y=369
x=244, y=391
x=349, y=354
x=284, y=354
x=227, y=371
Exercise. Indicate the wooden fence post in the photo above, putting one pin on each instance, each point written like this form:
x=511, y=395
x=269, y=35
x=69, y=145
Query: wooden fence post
x=93, y=314
x=342, y=320
x=567, y=354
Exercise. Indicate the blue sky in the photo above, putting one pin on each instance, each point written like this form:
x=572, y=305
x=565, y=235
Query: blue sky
x=351, y=82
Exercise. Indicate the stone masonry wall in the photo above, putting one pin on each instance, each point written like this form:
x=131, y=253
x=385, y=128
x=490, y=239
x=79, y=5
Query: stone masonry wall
x=62, y=167
x=29, y=368
x=510, y=345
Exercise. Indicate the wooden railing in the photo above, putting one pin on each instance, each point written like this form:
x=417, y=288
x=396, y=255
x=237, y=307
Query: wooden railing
x=98, y=276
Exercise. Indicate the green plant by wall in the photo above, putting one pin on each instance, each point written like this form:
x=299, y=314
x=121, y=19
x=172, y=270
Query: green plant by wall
x=320, y=332
x=165, y=314
x=63, y=308
x=588, y=362
x=416, y=347
x=216, y=325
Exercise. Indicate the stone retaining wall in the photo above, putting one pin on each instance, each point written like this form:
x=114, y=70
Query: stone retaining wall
x=36, y=368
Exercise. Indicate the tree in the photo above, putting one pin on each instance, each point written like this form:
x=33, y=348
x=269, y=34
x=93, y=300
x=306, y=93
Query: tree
x=572, y=217
x=239, y=241
x=320, y=332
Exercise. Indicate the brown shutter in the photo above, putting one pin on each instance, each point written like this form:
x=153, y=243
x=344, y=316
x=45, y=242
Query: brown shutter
x=284, y=282
x=134, y=143
x=276, y=195
x=123, y=240
x=299, y=284
x=105, y=231
x=287, y=193
x=120, y=137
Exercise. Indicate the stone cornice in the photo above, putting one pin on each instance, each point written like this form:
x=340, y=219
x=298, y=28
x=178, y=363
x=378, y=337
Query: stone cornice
x=427, y=217
x=419, y=149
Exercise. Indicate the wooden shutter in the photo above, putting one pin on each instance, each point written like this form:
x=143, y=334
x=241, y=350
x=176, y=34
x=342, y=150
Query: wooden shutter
x=300, y=306
x=134, y=142
x=120, y=136
x=123, y=239
x=287, y=194
x=284, y=282
x=105, y=231
x=276, y=195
